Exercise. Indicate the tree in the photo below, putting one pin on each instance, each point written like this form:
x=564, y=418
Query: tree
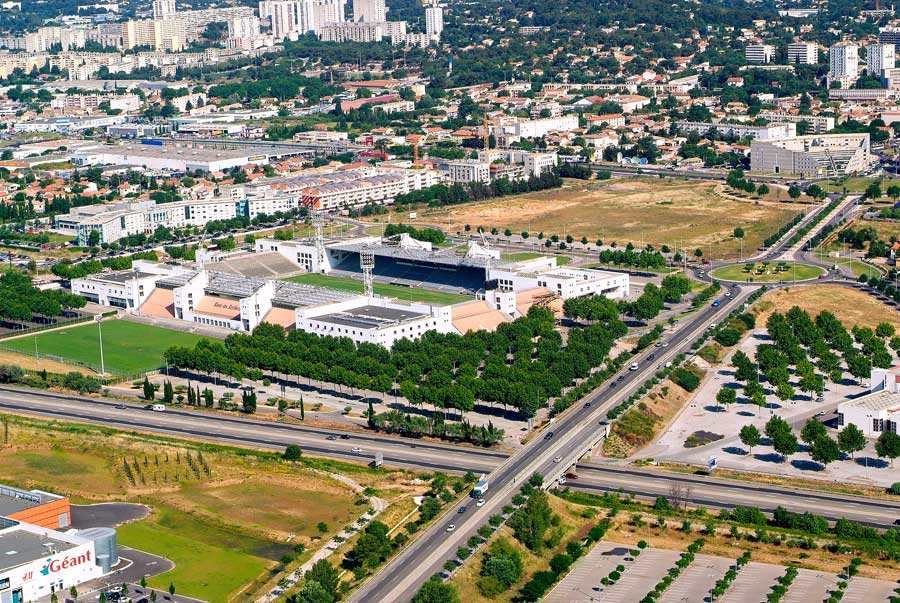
x=248, y=401
x=763, y=189
x=888, y=446
x=325, y=574
x=726, y=396
x=293, y=452
x=312, y=592
x=812, y=431
x=436, y=591
x=149, y=391
x=530, y=521
x=885, y=329
x=171, y=589
x=851, y=439
x=794, y=192
x=779, y=433
x=824, y=450
x=750, y=437
x=738, y=233
x=698, y=253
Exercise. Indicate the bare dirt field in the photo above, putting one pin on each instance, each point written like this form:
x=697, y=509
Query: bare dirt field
x=850, y=306
x=671, y=212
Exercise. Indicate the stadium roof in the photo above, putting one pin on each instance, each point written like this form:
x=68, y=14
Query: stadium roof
x=443, y=257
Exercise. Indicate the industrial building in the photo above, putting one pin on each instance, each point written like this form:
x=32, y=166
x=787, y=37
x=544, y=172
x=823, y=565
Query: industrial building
x=818, y=155
x=878, y=411
x=36, y=558
x=174, y=158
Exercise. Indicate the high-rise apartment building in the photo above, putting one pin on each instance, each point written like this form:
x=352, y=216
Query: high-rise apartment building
x=759, y=53
x=803, y=53
x=434, y=20
x=370, y=11
x=163, y=8
x=878, y=58
x=843, y=62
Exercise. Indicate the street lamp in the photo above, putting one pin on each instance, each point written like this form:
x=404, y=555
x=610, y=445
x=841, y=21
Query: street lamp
x=99, y=319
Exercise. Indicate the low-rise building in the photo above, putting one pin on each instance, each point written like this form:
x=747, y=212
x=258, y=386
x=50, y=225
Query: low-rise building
x=739, y=130
x=877, y=412
x=562, y=281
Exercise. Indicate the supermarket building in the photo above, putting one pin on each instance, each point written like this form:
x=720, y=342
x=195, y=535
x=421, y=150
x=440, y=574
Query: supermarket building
x=38, y=558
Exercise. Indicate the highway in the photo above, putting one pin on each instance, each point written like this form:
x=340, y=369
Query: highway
x=645, y=482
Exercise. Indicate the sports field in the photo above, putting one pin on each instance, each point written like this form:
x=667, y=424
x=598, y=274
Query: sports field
x=637, y=210
x=354, y=286
x=767, y=274
x=128, y=347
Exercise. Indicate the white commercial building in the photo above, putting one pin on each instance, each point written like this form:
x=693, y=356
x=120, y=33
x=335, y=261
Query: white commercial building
x=759, y=53
x=563, y=281
x=803, y=53
x=126, y=289
x=879, y=57
x=877, y=412
x=364, y=31
x=35, y=561
x=817, y=155
x=843, y=60
x=175, y=158
x=377, y=320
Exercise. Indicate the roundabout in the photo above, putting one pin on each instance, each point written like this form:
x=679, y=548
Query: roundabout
x=767, y=272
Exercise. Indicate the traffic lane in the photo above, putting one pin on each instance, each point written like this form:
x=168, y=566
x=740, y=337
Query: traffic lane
x=113, y=409
x=399, y=453
x=716, y=496
x=395, y=583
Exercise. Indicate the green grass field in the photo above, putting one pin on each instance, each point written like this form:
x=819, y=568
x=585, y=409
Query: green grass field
x=858, y=185
x=561, y=260
x=202, y=570
x=354, y=286
x=128, y=347
x=858, y=268
x=736, y=272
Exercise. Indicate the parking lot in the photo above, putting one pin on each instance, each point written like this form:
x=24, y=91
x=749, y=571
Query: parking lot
x=753, y=583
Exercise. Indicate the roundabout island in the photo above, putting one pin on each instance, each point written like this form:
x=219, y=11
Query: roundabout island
x=767, y=272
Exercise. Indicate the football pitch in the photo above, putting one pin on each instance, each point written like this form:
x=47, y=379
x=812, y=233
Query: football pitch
x=127, y=347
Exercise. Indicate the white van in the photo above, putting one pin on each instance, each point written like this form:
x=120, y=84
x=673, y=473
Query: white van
x=158, y=407
x=633, y=367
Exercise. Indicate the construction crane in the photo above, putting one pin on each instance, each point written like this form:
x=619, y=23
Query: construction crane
x=486, y=134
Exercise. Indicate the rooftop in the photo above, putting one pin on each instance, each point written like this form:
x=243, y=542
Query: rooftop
x=14, y=500
x=370, y=317
x=876, y=402
x=19, y=546
x=120, y=277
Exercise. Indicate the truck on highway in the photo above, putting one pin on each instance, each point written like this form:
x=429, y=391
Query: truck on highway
x=481, y=487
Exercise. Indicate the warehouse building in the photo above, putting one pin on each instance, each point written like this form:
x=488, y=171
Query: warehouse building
x=174, y=158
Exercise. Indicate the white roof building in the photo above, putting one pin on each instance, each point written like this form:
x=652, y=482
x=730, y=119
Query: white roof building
x=877, y=411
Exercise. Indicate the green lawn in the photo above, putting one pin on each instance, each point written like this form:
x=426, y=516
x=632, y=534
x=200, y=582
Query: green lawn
x=128, y=347
x=858, y=267
x=561, y=260
x=858, y=185
x=736, y=272
x=204, y=568
x=354, y=286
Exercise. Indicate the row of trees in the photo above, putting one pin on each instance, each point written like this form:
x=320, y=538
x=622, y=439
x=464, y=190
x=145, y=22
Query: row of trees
x=69, y=270
x=441, y=194
x=20, y=300
x=521, y=365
